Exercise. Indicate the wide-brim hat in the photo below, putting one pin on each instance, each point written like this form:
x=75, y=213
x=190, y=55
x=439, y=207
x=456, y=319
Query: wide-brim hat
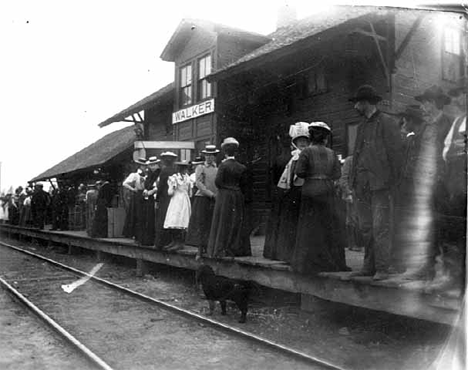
x=319, y=125
x=413, y=112
x=168, y=154
x=460, y=87
x=229, y=140
x=366, y=92
x=434, y=93
x=152, y=160
x=210, y=149
x=141, y=161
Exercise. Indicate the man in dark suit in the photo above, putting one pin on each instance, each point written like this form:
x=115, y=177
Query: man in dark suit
x=377, y=161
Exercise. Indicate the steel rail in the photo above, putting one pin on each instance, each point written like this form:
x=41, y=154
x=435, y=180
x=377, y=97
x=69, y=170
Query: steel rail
x=90, y=356
x=192, y=315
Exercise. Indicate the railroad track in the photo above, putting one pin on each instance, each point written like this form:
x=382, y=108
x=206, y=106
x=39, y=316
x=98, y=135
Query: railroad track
x=146, y=332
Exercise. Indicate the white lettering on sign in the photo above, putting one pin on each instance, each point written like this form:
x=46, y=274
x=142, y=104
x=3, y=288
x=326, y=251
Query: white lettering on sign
x=193, y=111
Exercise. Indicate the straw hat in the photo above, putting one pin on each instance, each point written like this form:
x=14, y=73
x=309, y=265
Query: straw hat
x=210, y=149
x=152, y=160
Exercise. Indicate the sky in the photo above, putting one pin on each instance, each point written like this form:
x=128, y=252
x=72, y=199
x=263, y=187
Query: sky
x=66, y=66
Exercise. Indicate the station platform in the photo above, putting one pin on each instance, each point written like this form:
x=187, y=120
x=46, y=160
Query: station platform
x=394, y=295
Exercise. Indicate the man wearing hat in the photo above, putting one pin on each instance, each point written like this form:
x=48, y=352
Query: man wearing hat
x=452, y=217
x=134, y=185
x=162, y=237
x=203, y=205
x=377, y=162
x=432, y=102
x=414, y=251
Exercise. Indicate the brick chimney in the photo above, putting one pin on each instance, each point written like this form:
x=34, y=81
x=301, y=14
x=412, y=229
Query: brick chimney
x=286, y=15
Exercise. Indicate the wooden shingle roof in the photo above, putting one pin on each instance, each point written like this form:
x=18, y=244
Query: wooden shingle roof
x=94, y=155
x=300, y=30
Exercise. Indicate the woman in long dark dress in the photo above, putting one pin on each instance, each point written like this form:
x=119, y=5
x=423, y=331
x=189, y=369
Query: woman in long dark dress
x=282, y=223
x=228, y=234
x=103, y=201
x=145, y=229
x=320, y=242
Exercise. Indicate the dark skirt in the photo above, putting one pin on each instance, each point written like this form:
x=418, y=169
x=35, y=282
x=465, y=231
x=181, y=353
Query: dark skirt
x=132, y=218
x=282, y=225
x=200, y=221
x=229, y=235
x=146, y=227
x=320, y=240
x=162, y=236
x=99, y=227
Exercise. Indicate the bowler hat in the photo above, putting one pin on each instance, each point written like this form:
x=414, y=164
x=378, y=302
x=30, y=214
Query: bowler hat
x=366, y=92
x=414, y=112
x=210, y=149
x=434, y=93
x=460, y=87
x=229, y=140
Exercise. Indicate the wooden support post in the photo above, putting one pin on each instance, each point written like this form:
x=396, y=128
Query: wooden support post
x=141, y=267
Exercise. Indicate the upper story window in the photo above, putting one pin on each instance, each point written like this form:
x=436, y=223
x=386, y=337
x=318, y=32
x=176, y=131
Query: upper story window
x=452, y=58
x=204, y=69
x=452, y=41
x=186, y=85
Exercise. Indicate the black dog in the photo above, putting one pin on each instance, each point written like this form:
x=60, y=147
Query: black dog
x=218, y=288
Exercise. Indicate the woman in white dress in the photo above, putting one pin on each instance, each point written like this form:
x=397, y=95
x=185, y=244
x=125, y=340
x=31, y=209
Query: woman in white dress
x=179, y=210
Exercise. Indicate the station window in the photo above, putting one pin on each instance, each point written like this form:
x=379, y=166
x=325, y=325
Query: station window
x=452, y=59
x=186, y=85
x=204, y=69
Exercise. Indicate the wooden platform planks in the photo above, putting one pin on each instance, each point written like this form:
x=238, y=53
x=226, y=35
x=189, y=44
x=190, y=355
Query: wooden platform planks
x=393, y=296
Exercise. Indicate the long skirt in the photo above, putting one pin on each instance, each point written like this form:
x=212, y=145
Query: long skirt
x=282, y=225
x=162, y=237
x=229, y=235
x=200, y=221
x=133, y=215
x=146, y=231
x=99, y=227
x=320, y=242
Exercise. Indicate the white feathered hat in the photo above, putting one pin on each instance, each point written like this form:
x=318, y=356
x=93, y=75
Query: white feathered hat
x=299, y=129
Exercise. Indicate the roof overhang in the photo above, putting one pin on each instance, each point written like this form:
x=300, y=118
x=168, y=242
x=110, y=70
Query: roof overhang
x=131, y=114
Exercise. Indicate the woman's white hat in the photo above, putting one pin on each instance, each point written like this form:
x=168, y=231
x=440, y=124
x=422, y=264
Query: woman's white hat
x=320, y=125
x=230, y=140
x=168, y=154
x=299, y=129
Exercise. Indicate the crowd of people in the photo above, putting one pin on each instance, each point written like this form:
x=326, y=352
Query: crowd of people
x=172, y=203
x=403, y=190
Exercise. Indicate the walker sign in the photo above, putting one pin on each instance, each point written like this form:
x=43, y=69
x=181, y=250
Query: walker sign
x=193, y=111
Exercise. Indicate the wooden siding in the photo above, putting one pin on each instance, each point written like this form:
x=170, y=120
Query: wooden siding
x=420, y=64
